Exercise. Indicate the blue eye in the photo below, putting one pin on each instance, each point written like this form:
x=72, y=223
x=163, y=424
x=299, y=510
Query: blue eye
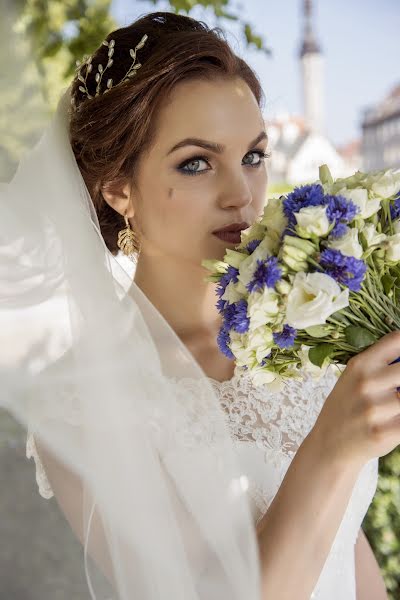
x=196, y=159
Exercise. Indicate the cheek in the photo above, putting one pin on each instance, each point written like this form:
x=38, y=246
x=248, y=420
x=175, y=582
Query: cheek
x=172, y=218
x=260, y=191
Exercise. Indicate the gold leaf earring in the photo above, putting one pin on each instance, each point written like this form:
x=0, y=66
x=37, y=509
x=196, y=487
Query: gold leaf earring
x=128, y=241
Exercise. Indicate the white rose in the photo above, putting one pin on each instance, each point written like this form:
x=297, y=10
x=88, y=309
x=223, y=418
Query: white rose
x=359, y=196
x=274, y=218
x=261, y=342
x=348, y=243
x=384, y=183
x=262, y=307
x=232, y=293
x=393, y=247
x=313, y=298
x=312, y=220
x=240, y=349
x=372, y=237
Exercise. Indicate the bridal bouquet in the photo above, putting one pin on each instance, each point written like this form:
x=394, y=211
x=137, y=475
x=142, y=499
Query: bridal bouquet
x=315, y=280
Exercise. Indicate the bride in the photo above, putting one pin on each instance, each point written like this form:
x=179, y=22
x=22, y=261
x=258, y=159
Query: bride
x=180, y=477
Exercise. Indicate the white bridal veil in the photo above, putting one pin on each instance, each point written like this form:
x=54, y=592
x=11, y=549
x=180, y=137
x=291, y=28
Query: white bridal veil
x=92, y=368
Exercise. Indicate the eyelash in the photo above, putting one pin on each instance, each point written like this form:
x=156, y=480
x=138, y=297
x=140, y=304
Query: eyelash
x=262, y=155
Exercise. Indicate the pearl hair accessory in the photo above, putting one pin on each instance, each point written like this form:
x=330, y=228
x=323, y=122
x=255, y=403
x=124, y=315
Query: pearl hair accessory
x=87, y=62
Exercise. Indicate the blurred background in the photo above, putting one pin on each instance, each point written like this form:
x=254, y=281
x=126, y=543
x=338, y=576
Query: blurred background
x=331, y=80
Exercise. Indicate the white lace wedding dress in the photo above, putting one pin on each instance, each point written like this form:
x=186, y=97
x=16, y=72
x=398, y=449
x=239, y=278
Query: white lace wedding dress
x=267, y=429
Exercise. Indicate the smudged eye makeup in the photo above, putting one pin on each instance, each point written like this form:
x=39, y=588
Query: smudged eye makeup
x=185, y=170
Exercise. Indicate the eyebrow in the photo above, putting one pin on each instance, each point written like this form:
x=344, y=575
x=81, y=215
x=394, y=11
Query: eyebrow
x=212, y=146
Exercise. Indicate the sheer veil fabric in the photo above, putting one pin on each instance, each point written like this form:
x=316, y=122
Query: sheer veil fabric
x=91, y=367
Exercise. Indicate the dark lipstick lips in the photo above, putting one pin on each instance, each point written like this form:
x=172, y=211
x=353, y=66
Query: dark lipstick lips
x=233, y=227
x=231, y=233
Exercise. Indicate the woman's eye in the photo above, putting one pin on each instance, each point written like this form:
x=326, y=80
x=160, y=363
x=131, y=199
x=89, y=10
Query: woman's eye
x=254, y=153
x=190, y=167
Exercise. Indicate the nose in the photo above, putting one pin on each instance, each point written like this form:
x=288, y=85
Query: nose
x=235, y=191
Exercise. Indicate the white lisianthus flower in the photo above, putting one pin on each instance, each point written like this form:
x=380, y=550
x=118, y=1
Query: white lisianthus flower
x=233, y=258
x=372, y=237
x=262, y=307
x=283, y=287
x=385, y=184
x=264, y=376
x=294, y=252
x=393, y=247
x=359, y=197
x=239, y=347
x=274, y=218
x=232, y=293
x=313, y=298
x=348, y=243
x=308, y=366
x=396, y=225
x=255, y=232
x=261, y=341
x=312, y=220
x=294, y=264
x=249, y=264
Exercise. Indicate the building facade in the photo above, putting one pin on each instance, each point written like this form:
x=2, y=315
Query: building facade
x=381, y=134
x=299, y=145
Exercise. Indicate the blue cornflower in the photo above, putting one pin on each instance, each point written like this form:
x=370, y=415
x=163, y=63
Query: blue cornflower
x=395, y=208
x=264, y=360
x=220, y=305
x=239, y=320
x=223, y=340
x=267, y=273
x=306, y=195
x=229, y=315
x=230, y=275
x=251, y=246
x=340, y=211
x=285, y=339
x=347, y=270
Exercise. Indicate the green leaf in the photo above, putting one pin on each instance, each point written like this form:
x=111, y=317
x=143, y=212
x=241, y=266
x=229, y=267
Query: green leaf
x=319, y=353
x=387, y=282
x=359, y=337
x=317, y=331
x=339, y=317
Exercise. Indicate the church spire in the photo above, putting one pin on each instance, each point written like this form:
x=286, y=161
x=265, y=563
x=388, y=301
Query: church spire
x=309, y=44
x=311, y=60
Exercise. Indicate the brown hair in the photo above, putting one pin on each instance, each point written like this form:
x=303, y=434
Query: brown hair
x=110, y=132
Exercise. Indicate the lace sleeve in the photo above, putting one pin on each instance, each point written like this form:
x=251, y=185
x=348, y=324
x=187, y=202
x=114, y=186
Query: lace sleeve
x=43, y=483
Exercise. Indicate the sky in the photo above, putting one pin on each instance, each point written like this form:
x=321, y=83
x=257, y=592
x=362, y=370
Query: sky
x=360, y=41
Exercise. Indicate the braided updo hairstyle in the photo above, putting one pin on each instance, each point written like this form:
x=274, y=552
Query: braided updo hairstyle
x=110, y=132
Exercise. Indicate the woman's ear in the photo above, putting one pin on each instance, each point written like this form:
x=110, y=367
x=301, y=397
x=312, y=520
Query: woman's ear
x=119, y=198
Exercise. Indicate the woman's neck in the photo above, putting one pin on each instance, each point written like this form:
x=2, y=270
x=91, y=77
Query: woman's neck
x=180, y=294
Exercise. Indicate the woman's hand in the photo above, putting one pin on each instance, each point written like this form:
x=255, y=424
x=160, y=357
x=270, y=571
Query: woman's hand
x=360, y=419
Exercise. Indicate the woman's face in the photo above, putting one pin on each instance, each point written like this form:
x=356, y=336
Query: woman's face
x=187, y=192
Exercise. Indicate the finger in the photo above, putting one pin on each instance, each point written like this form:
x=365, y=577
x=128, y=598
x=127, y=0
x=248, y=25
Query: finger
x=382, y=352
x=384, y=410
x=385, y=380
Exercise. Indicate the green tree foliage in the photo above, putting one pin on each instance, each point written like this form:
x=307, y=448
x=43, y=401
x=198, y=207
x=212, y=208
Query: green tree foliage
x=222, y=10
x=40, y=42
x=60, y=33
x=382, y=522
